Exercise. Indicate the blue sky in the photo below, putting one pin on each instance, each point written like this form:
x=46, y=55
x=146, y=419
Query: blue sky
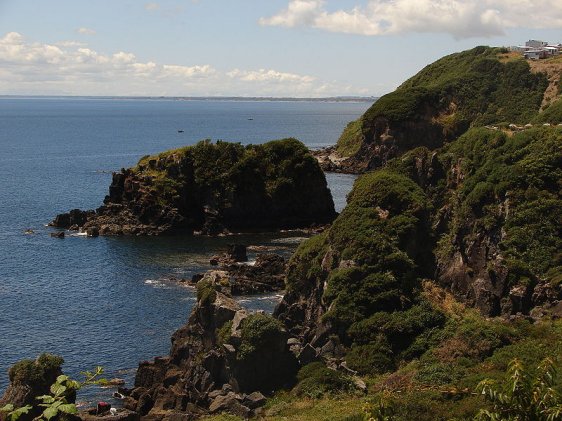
x=248, y=47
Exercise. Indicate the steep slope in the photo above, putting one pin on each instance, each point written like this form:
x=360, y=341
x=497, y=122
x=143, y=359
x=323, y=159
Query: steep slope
x=212, y=187
x=481, y=217
x=477, y=87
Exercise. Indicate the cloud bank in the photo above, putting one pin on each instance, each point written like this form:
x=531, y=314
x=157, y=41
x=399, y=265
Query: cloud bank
x=459, y=18
x=71, y=68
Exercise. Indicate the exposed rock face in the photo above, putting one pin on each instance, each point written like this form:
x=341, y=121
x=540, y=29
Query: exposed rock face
x=212, y=188
x=213, y=365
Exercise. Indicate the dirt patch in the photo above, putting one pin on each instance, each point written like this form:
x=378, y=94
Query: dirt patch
x=553, y=69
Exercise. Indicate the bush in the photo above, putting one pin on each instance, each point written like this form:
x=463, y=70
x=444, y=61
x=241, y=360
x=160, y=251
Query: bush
x=40, y=371
x=259, y=331
x=316, y=380
x=374, y=358
x=206, y=292
x=523, y=396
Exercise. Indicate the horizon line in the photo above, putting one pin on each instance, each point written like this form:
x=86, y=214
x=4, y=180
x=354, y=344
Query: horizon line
x=349, y=98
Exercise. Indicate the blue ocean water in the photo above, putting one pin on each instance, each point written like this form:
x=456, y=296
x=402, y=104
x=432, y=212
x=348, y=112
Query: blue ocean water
x=113, y=301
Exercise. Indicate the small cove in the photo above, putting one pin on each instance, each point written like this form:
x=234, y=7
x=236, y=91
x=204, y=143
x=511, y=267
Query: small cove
x=113, y=301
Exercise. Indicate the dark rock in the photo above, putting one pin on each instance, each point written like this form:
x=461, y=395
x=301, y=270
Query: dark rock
x=180, y=200
x=307, y=355
x=75, y=217
x=237, y=252
x=198, y=364
x=229, y=403
x=266, y=275
x=116, y=415
x=254, y=400
x=30, y=379
x=93, y=232
x=145, y=404
x=58, y=234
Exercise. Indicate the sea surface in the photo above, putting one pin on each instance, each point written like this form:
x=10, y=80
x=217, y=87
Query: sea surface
x=115, y=301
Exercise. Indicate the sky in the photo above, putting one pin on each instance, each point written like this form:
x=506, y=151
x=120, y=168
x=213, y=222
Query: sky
x=266, y=48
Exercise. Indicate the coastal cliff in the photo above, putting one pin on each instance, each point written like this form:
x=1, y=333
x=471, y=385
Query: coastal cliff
x=212, y=188
x=443, y=267
x=478, y=87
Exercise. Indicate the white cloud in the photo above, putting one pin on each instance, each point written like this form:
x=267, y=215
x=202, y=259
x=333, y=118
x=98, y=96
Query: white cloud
x=460, y=18
x=152, y=6
x=75, y=69
x=86, y=31
x=263, y=75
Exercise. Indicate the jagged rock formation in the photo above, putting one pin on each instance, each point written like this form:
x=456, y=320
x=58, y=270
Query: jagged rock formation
x=477, y=87
x=212, y=188
x=223, y=359
x=267, y=274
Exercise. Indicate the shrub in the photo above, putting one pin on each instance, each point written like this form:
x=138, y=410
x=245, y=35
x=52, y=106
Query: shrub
x=374, y=358
x=36, y=372
x=259, y=331
x=316, y=380
x=206, y=292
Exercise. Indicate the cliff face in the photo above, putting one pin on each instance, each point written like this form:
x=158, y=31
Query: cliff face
x=479, y=217
x=473, y=88
x=210, y=188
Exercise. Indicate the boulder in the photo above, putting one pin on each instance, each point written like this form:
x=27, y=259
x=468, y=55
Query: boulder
x=254, y=400
x=237, y=252
x=229, y=403
x=58, y=234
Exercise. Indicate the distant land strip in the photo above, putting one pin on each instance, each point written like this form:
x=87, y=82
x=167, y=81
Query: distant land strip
x=202, y=98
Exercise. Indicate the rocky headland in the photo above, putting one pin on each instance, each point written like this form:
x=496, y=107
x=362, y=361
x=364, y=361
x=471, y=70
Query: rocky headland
x=443, y=268
x=212, y=188
x=474, y=88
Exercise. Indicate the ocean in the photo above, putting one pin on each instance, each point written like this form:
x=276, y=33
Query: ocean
x=114, y=301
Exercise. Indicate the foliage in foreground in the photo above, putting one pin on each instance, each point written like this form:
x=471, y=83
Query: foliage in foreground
x=57, y=404
x=523, y=396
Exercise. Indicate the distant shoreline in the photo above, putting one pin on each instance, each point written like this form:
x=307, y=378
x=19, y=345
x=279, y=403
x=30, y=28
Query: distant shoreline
x=202, y=98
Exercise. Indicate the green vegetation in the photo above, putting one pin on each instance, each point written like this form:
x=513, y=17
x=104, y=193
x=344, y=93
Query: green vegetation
x=523, y=396
x=408, y=336
x=36, y=372
x=348, y=144
x=471, y=88
x=206, y=292
x=259, y=331
x=316, y=380
x=552, y=115
x=59, y=403
x=522, y=170
x=275, y=183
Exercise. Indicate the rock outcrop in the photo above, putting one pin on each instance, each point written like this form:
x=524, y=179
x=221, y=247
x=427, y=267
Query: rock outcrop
x=30, y=379
x=267, y=274
x=212, y=188
x=223, y=359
